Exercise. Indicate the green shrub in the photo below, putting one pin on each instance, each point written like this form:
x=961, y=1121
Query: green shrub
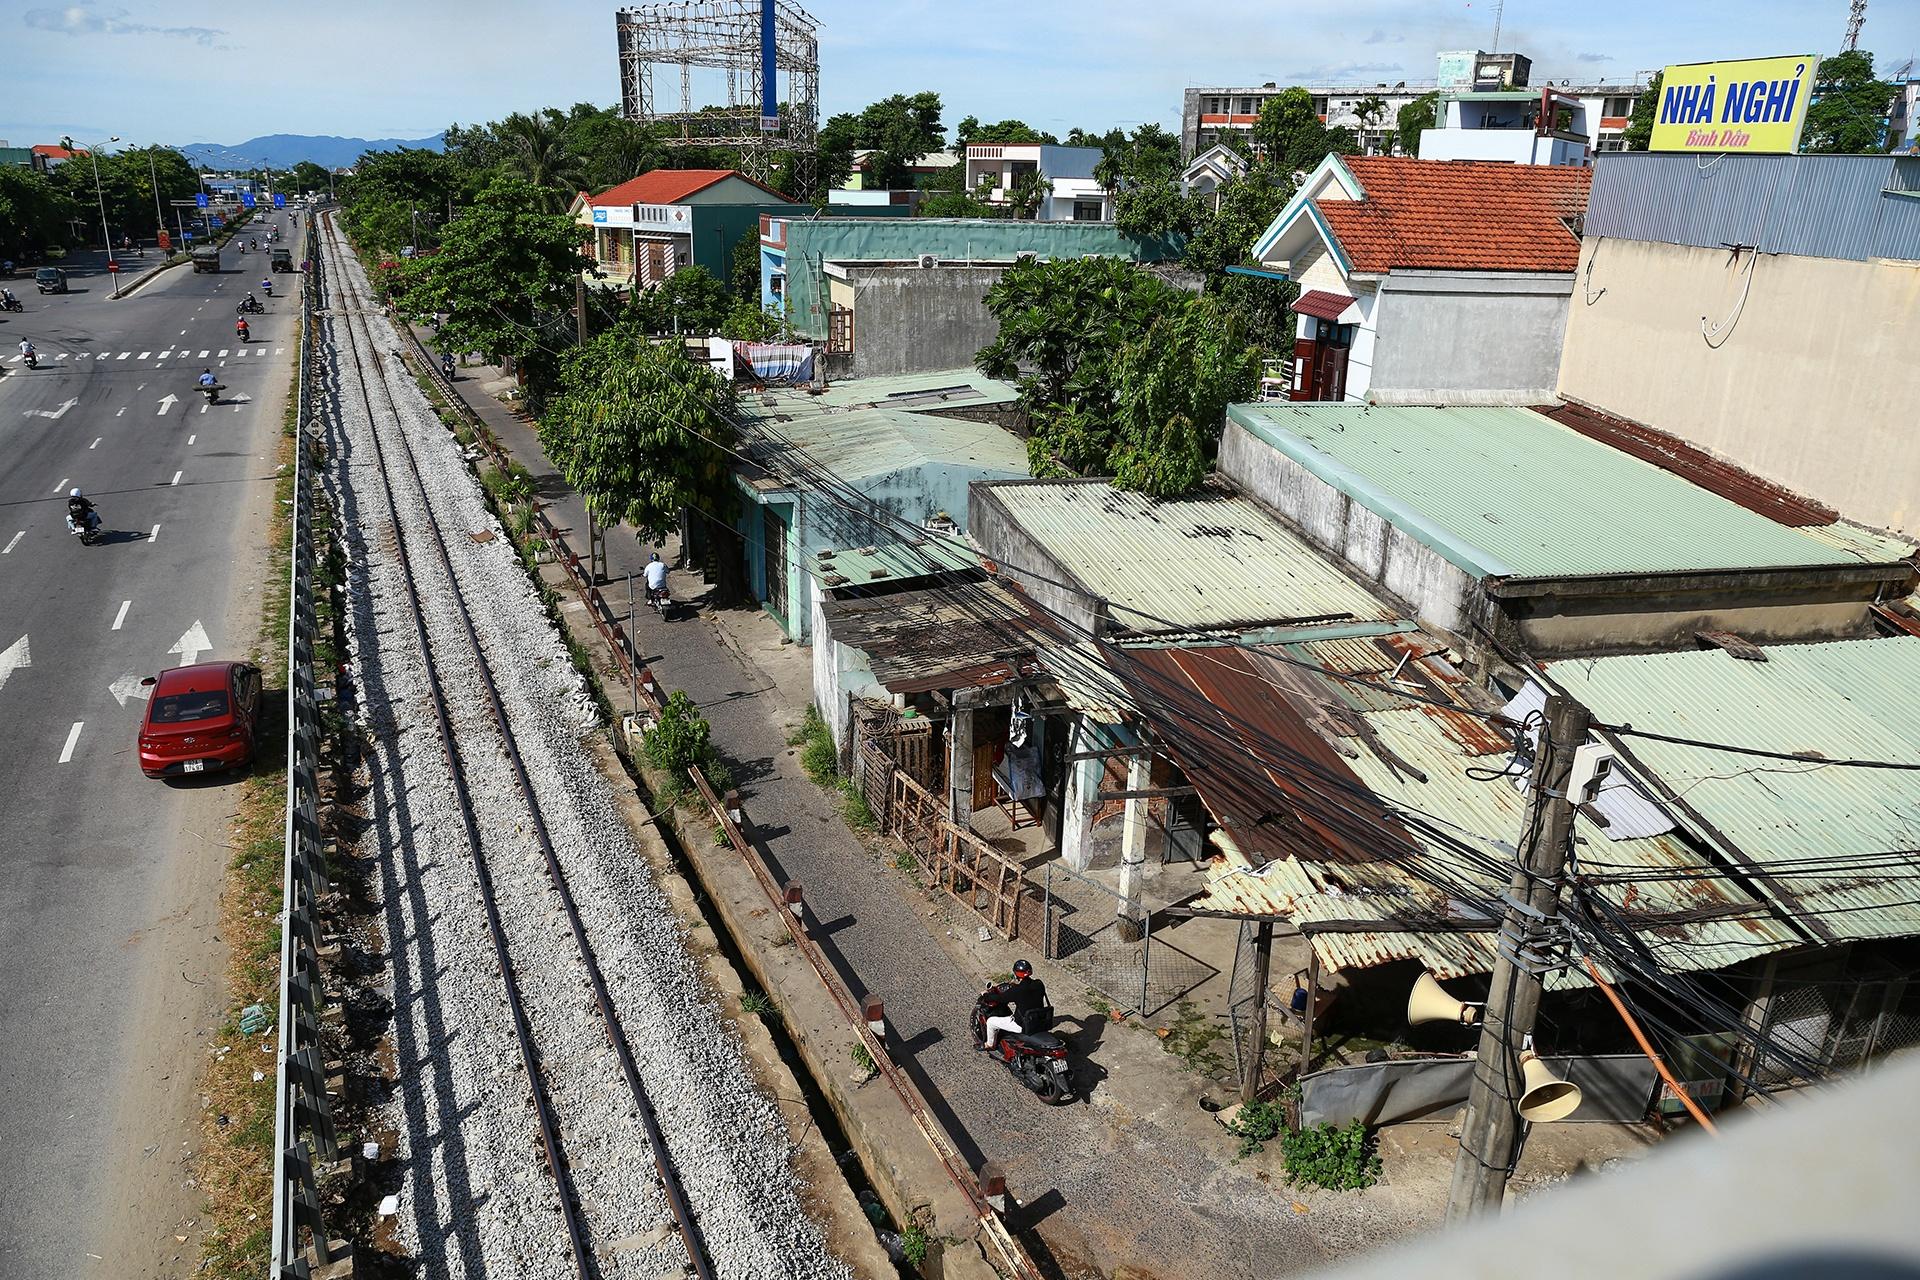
x=1257, y=1124
x=681, y=738
x=818, y=756
x=914, y=1245
x=858, y=813
x=756, y=1002
x=863, y=1060
x=1339, y=1159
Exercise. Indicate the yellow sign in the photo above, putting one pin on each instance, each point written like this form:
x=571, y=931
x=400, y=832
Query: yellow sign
x=1757, y=106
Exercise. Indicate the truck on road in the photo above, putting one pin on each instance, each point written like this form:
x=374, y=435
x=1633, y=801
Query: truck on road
x=206, y=257
x=282, y=260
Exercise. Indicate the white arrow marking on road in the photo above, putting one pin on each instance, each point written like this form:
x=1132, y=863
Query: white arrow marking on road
x=192, y=644
x=55, y=414
x=14, y=657
x=127, y=686
x=239, y=398
x=167, y=402
x=73, y=738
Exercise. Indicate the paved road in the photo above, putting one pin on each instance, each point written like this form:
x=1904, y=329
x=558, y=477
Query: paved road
x=110, y=969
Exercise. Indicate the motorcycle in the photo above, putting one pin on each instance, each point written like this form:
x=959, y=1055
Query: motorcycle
x=11, y=304
x=251, y=307
x=88, y=533
x=33, y=360
x=446, y=367
x=212, y=393
x=1036, y=1058
x=240, y=331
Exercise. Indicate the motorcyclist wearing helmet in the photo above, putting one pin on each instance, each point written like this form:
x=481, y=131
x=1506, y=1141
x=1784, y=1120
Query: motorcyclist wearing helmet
x=656, y=578
x=266, y=285
x=80, y=512
x=1017, y=1000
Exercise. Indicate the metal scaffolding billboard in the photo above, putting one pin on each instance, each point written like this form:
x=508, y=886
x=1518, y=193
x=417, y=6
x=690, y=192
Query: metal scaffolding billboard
x=729, y=56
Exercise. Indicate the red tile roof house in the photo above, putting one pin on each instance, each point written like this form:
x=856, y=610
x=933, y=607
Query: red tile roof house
x=648, y=227
x=1429, y=281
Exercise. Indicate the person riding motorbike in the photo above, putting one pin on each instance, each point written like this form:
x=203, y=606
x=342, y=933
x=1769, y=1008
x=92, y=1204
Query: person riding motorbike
x=80, y=513
x=266, y=286
x=8, y=301
x=656, y=579
x=446, y=364
x=240, y=329
x=207, y=379
x=1018, y=1000
x=28, y=354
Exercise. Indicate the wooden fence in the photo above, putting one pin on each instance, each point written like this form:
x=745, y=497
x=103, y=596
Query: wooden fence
x=960, y=862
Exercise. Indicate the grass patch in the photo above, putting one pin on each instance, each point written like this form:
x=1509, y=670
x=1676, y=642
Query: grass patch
x=758, y=1003
x=1336, y=1158
x=914, y=1244
x=1195, y=1037
x=863, y=1061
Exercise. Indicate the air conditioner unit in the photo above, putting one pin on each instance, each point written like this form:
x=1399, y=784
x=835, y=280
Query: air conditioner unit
x=929, y=260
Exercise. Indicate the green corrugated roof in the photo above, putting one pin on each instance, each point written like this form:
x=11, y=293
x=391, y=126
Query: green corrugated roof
x=876, y=442
x=894, y=562
x=1849, y=699
x=922, y=392
x=1509, y=493
x=1208, y=561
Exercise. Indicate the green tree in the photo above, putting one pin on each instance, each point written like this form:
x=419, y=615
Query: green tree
x=970, y=131
x=1247, y=206
x=896, y=131
x=1638, y=134
x=308, y=176
x=743, y=276
x=386, y=191
x=506, y=264
x=641, y=433
x=534, y=147
x=610, y=148
x=1028, y=192
x=1126, y=375
x=35, y=213
x=691, y=300
x=1290, y=136
x=1850, y=105
x=1422, y=113
x=958, y=204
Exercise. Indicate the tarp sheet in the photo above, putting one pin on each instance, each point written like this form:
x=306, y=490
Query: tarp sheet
x=1615, y=1089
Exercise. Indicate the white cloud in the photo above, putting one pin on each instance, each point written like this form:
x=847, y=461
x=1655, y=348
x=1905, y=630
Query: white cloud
x=79, y=20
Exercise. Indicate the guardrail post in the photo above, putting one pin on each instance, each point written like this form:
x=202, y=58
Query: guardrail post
x=305, y=1201
x=874, y=1010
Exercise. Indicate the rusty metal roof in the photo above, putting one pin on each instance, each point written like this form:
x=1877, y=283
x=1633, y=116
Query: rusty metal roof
x=1345, y=807
x=955, y=636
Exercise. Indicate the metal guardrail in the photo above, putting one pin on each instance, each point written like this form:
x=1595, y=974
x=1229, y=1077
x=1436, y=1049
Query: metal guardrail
x=303, y=1128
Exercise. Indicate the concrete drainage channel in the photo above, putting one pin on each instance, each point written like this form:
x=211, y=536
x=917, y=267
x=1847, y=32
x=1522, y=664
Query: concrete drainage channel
x=482, y=1182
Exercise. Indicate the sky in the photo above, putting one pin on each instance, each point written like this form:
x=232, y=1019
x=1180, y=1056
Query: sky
x=187, y=71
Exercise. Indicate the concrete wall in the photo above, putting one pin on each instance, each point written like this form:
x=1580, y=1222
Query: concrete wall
x=1440, y=592
x=1001, y=539
x=916, y=320
x=1812, y=381
x=1469, y=331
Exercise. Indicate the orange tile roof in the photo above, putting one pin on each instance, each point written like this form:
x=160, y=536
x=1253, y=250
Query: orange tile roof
x=668, y=186
x=1459, y=215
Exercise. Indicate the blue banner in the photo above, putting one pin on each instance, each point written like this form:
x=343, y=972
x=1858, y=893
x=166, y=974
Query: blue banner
x=201, y=199
x=246, y=199
x=279, y=200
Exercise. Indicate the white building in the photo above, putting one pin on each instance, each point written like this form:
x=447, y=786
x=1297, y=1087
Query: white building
x=1072, y=192
x=1211, y=170
x=1513, y=126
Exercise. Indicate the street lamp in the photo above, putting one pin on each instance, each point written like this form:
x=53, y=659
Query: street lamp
x=106, y=237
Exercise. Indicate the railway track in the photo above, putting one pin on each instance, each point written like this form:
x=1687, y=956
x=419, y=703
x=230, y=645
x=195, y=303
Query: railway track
x=568, y=1088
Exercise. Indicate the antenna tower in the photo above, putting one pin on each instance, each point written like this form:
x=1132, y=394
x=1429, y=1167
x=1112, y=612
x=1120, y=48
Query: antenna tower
x=1856, y=18
x=728, y=56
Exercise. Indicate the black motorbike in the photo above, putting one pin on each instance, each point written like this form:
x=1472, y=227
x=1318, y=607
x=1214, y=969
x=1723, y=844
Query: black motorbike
x=1036, y=1058
x=251, y=307
x=11, y=304
x=212, y=391
x=88, y=531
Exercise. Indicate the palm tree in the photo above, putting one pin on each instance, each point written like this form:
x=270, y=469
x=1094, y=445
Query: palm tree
x=536, y=149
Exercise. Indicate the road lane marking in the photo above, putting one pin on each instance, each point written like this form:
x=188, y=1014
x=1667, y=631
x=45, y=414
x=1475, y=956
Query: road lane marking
x=13, y=542
x=183, y=333
x=121, y=616
x=61, y=356
x=123, y=355
x=121, y=414
x=223, y=353
x=176, y=477
x=164, y=354
x=98, y=439
x=203, y=355
x=145, y=354
x=155, y=534
x=191, y=439
x=73, y=736
x=62, y=486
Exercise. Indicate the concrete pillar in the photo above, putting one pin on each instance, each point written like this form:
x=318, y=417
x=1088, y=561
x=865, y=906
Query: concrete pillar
x=960, y=767
x=1133, y=848
x=1079, y=802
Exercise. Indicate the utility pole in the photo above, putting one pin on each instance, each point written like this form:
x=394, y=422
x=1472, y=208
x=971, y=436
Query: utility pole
x=1489, y=1136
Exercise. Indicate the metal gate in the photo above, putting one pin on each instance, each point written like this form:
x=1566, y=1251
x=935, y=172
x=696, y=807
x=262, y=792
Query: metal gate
x=1241, y=984
x=1086, y=934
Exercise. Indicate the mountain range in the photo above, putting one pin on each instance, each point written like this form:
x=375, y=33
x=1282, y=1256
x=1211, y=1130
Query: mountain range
x=284, y=150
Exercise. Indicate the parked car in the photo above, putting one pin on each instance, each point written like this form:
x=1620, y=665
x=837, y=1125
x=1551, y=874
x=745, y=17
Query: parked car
x=50, y=280
x=200, y=719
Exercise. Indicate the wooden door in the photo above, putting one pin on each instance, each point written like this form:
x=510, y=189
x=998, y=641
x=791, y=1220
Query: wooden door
x=983, y=776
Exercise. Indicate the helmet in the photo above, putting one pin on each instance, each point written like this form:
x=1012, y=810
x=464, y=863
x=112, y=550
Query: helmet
x=1021, y=969
x=653, y=557
x=73, y=493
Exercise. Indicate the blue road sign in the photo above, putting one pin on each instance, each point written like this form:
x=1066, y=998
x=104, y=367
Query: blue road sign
x=279, y=200
x=201, y=199
x=246, y=198
x=187, y=236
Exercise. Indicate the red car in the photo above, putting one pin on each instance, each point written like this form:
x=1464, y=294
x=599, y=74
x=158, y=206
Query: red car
x=200, y=719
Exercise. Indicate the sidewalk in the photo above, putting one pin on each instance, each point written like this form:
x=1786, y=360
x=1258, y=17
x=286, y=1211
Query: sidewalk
x=1138, y=1181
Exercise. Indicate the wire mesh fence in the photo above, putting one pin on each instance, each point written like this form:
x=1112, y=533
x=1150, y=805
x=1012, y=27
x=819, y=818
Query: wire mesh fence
x=1836, y=1026
x=1089, y=933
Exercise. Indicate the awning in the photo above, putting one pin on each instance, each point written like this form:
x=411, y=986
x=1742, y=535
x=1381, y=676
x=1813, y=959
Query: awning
x=1321, y=305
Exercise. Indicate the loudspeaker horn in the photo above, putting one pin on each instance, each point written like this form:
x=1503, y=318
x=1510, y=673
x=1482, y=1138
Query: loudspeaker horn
x=1547, y=1097
x=1429, y=1002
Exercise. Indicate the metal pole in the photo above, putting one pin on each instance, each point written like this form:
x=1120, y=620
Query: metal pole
x=153, y=174
x=580, y=309
x=106, y=236
x=1313, y=998
x=633, y=658
x=1257, y=1051
x=1489, y=1136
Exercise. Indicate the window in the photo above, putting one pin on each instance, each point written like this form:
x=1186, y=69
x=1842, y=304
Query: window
x=1320, y=104
x=180, y=708
x=1610, y=144
x=1249, y=106
x=840, y=331
x=1618, y=105
x=1086, y=211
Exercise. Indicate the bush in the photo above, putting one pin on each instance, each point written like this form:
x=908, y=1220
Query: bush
x=681, y=738
x=1339, y=1159
x=818, y=756
x=914, y=1245
x=1257, y=1124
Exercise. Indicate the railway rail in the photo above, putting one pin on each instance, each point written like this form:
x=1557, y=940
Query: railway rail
x=413, y=520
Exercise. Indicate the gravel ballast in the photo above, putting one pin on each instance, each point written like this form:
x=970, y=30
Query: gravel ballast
x=475, y=1198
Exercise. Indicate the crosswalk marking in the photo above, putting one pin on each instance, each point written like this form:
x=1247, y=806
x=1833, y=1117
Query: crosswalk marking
x=183, y=353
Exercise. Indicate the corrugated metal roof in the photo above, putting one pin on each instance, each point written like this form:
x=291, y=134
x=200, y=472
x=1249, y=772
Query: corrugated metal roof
x=875, y=442
x=1819, y=206
x=1207, y=561
x=894, y=562
x=1504, y=492
x=1671, y=453
x=1800, y=825
x=1411, y=759
x=918, y=391
x=917, y=640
